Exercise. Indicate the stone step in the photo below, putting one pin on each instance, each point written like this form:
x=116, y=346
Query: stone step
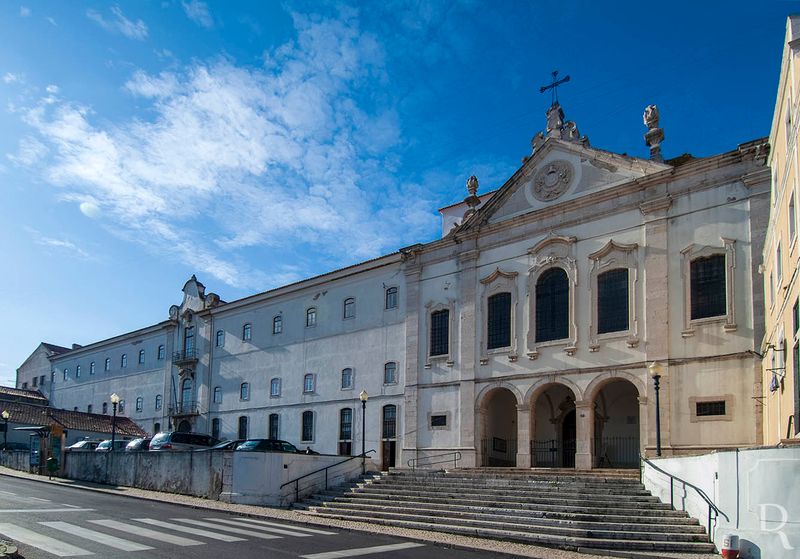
x=451, y=496
x=564, y=477
x=588, y=522
x=662, y=511
x=561, y=541
x=608, y=493
x=493, y=482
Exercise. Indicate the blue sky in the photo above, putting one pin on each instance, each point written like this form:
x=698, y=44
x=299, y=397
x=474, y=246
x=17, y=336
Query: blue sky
x=258, y=143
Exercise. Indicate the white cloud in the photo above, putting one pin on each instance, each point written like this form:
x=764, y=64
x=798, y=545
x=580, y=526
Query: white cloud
x=247, y=158
x=198, y=12
x=29, y=152
x=119, y=24
x=24, y=11
x=11, y=78
x=52, y=22
x=52, y=89
x=62, y=245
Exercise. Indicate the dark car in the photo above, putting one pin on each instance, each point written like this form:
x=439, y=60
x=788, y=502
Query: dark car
x=266, y=445
x=226, y=445
x=181, y=441
x=138, y=444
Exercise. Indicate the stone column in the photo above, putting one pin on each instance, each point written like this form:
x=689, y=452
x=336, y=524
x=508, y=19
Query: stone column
x=657, y=307
x=467, y=280
x=412, y=272
x=584, y=433
x=523, y=436
x=644, y=423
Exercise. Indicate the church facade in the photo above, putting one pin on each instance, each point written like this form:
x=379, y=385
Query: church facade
x=528, y=335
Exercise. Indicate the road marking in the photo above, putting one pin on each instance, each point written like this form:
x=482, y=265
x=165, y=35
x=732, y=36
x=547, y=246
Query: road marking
x=99, y=537
x=38, y=499
x=361, y=551
x=45, y=510
x=251, y=533
x=186, y=529
x=35, y=539
x=146, y=533
x=241, y=524
x=302, y=529
x=70, y=506
x=7, y=493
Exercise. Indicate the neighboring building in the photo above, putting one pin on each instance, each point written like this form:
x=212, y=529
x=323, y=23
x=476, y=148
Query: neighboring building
x=35, y=372
x=781, y=257
x=522, y=337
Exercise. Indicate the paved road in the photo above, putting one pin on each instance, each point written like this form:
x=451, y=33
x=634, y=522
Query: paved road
x=49, y=521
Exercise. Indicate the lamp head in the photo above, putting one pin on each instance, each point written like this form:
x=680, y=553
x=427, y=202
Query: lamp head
x=656, y=369
x=5, y=415
x=363, y=396
x=115, y=398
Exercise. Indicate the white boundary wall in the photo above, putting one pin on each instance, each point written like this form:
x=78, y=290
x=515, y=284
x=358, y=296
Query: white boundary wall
x=757, y=489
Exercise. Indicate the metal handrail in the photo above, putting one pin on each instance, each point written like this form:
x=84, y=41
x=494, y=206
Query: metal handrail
x=672, y=478
x=456, y=456
x=296, y=481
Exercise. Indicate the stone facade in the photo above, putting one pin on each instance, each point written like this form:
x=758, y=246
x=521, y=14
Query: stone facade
x=781, y=256
x=452, y=339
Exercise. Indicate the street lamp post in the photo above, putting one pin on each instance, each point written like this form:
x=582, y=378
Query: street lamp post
x=5, y=416
x=656, y=369
x=114, y=402
x=363, y=397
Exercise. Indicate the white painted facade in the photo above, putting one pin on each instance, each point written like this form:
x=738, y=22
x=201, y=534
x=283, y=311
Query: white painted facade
x=574, y=400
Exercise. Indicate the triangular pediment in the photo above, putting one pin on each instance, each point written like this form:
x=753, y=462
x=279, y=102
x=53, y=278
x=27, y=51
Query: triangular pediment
x=558, y=172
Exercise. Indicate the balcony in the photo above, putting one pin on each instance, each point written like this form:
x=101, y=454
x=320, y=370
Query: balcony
x=186, y=357
x=182, y=409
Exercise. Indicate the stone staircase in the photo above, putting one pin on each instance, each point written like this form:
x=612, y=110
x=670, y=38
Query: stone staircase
x=601, y=511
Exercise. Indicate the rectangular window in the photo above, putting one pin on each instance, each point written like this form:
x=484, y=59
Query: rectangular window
x=796, y=317
x=389, y=421
x=162, y=352
x=220, y=338
x=66, y=374
x=347, y=378
x=244, y=391
x=391, y=298
x=217, y=395
x=35, y=382
x=91, y=368
x=242, y=427
x=710, y=408
x=349, y=308
x=307, y=434
x=612, y=301
x=89, y=408
x=123, y=361
x=141, y=357
x=78, y=371
x=274, y=426
x=438, y=421
x=159, y=401
x=25, y=387
x=215, y=428
x=708, y=297
x=41, y=380
x=346, y=424
x=499, y=321
x=440, y=333
x=107, y=366
x=247, y=332
x=188, y=341
x=311, y=317
x=277, y=324
x=792, y=218
x=139, y=403
x=275, y=387
x=778, y=264
x=390, y=373
x=308, y=383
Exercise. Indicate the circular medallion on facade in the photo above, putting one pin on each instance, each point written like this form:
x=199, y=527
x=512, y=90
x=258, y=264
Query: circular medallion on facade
x=552, y=180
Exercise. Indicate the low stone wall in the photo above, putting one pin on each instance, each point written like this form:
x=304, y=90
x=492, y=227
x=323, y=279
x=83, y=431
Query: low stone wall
x=16, y=459
x=186, y=472
x=756, y=489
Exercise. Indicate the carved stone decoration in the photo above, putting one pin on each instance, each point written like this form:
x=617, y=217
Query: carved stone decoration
x=615, y=255
x=552, y=180
x=497, y=282
x=557, y=128
x=654, y=135
x=472, y=200
x=173, y=312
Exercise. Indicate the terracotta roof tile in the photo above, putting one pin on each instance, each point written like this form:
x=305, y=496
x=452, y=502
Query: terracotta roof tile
x=23, y=413
x=31, y=396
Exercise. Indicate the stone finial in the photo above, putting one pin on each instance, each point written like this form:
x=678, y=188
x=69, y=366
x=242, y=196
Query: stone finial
x=558, y=128
x=472, y=185
x=472, y=200
x=654, y=135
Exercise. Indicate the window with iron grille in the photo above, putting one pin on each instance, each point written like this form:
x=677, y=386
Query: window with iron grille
x=708, y=286
x=277, y=324
x=391, y=298
x=612, y=301
x=440, y=332
x=308, y=426
x=498, y=326
x=345, y=424
x=710, y=408
x=389, y=421
x=349, y=308
x=159, y=402
x=242, y=427
x=347, y=378
x=274, y=426
x=390, y=373
x=215, y=428
x=552, y=305
x=139, y=403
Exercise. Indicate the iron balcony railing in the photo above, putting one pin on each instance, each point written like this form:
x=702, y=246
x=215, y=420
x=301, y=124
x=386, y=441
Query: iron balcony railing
x=616, y=452
x=188, y=355
x=189, y=407
x=553, y=453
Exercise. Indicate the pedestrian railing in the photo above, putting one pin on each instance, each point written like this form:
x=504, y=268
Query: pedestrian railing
x=325, y=471
x=445, y=458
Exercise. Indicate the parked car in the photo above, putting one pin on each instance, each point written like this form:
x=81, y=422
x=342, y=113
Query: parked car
x=85, y=445
x=226, y=445
x=105, y=446
x=16, y=446
x=181, y=441
x=138, y=444
x=266, y=445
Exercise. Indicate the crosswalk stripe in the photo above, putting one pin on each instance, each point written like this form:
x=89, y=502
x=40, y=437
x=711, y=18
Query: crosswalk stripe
x=146, y=533
x=99, y=537
x=231, y=529
x=187, y=530
x=17, y=511
x=280, y=531
x=300, y=528
x=40, y=541
x=361, y=551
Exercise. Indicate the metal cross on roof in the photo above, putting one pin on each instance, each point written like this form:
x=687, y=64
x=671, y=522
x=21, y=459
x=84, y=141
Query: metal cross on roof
x=554, y=87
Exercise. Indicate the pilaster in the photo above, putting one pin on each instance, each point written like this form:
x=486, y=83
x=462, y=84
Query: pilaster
x=412, y=273
x=584, y=433
x=523, y=436
x=467, y=284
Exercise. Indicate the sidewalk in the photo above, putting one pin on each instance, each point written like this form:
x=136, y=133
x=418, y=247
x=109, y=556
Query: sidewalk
x=438, y=538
